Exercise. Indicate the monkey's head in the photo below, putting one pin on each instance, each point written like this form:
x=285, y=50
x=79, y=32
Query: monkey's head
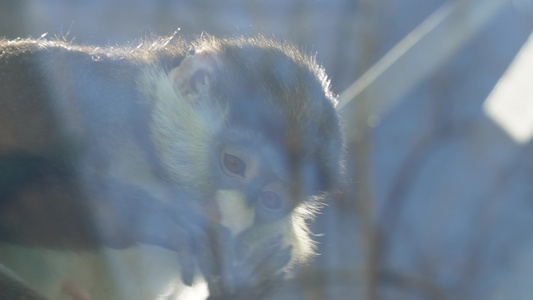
x=249, y=125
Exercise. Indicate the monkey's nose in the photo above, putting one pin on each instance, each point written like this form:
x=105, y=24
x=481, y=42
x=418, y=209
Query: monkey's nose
x=212, y=212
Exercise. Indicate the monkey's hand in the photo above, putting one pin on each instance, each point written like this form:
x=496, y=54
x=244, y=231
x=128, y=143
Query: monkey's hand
x=256, y=276
x=126, y=214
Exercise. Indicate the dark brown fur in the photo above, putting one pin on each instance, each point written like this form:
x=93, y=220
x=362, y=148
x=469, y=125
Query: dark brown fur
x=69, y=112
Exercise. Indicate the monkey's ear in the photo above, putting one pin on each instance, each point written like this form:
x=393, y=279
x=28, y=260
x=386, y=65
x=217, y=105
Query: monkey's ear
x=193, y=76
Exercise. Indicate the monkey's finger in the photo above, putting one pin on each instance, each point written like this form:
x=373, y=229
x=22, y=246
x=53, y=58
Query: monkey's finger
x=224, y=249
x=277, y=261
x=163, y=232
x=179, y=241
x=194, y=225
x=206, y=261
x=264, y=289
x=185, y=255
x=263, y=283
x=217, y=262
x=272, y=261
x=263, y=251
x=249, y=272
x=185, y=259
x=260, y=275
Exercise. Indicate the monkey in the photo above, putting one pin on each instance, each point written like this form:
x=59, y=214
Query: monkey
x=195, y=162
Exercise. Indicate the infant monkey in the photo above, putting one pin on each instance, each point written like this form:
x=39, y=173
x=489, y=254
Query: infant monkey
x=135, y=172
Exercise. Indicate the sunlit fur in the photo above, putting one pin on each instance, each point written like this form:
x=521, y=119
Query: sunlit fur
x=183, y=128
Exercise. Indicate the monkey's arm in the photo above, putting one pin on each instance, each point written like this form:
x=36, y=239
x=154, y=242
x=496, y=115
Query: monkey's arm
x=41, y=206
x=129, y=215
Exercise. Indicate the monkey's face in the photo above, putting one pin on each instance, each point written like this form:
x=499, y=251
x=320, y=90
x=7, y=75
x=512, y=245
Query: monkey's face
x=252, y=130
x=253, y=193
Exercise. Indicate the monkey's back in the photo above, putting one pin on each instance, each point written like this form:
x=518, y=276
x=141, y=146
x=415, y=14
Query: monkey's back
x=45, y=83
x=60, y=105
x=64, y=107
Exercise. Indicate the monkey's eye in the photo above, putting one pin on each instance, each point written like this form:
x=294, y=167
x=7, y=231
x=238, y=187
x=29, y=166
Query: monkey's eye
x=233, y=164
x=239, y=164
x=271, y=201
